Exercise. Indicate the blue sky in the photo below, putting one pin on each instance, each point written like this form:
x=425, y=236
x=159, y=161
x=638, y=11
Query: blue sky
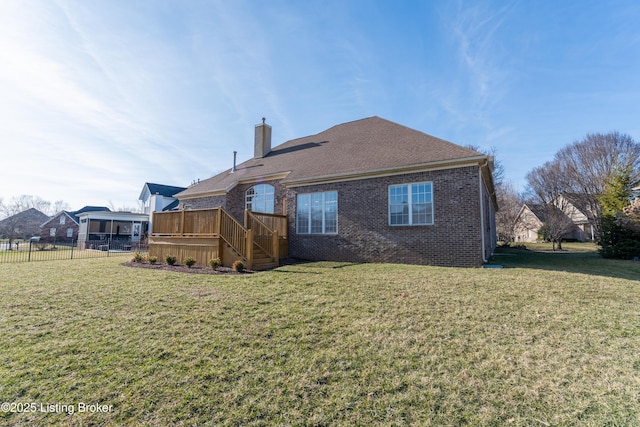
x=98, y=97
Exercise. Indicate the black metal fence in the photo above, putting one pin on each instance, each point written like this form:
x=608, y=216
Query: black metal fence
x=29, y=251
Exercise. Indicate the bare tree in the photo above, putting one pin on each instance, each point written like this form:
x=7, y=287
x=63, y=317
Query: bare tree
x=124, y=208
x=498, y=167
x=547, y=185
x=510, y=203
x=590, y=163
x=58, y=206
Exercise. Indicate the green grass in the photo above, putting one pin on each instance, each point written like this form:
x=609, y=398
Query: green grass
x=322, y=344
x=575, y=257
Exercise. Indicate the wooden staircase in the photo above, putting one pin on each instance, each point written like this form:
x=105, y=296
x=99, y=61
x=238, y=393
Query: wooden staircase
x=262, y=260
x=204, y=234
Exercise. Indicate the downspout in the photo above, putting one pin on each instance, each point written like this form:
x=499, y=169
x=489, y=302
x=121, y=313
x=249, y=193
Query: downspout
x=484, y=247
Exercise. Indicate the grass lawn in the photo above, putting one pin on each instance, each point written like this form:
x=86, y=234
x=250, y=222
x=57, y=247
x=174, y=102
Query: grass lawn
x=324, y=344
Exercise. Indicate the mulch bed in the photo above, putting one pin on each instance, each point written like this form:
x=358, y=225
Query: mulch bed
x=181, y=268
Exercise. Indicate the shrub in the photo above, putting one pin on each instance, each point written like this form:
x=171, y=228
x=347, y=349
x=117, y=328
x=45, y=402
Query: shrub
x=138, y=257
x=238, y=266
x=617, y=242
x=215, y=263
x=153, y=259
x=171, y=259
x=189, y=262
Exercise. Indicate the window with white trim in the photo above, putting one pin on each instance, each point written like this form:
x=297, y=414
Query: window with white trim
x=317, y=213
x=69, y=232
x=411, y=204
x=260, y=198
x=63, y=220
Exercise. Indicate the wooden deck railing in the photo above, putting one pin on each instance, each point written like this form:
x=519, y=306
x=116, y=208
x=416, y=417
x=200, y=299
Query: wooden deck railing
x=263, y=230
x=263, y=236
x=167, y=223
x=273, y=221
x=234, y=233
x=201, y=222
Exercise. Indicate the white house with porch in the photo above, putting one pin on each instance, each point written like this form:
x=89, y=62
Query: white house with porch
x=112, y=230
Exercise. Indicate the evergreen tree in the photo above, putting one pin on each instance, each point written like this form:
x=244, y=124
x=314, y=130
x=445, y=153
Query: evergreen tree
x=616, y=240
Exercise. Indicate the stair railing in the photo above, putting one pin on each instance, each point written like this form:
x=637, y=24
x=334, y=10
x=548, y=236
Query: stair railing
x=263, y=237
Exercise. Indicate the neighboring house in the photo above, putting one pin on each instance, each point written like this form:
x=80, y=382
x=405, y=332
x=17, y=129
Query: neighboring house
x=370, y=190
x=158, y=197
x=635, y=192
x=582, y=211
x=64, y=225
x=22, y=225
x=111, y=230
x=532, y=217
x=528, y=223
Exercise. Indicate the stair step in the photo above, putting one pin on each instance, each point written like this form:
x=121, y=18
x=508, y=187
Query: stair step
x=264, y=266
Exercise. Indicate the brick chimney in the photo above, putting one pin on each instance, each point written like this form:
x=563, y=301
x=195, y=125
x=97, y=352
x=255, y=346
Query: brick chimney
x=262, y=145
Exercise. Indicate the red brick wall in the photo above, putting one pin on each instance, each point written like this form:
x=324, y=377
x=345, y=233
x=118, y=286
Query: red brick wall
x=236, y=198
x=234, y=201
x=364, y=235
x=203, y=202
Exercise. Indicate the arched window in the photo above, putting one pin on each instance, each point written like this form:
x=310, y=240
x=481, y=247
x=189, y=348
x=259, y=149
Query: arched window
x=260, y=198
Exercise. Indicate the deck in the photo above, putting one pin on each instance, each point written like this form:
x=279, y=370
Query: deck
x=206, y=234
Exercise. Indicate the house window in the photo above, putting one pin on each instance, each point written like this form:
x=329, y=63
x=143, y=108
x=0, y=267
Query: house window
x=52, y=231
x=411, y=204
x=62, y=220
x=317, y=213
x=260, y=198
x=69, y=232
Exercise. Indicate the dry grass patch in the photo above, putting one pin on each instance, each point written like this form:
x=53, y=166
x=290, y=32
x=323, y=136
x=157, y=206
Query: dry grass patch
x=320, y=344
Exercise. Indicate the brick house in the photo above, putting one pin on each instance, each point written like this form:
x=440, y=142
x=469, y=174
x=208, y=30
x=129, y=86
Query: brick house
x=22, y=225
x=64, y=226
x=370, y=190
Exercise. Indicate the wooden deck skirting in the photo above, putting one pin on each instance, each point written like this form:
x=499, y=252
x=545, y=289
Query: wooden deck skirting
x=205, y=234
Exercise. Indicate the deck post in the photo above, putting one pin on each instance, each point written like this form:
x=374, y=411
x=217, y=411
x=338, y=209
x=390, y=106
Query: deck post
x=276, y=247
x=249, y=248
x=218, y=222
x=182, y=222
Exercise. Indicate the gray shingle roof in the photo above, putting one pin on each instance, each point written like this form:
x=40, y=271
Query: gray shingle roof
x=361, y=146
x=163, y=190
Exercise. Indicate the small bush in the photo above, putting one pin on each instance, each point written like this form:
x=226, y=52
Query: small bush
x=238, y=266
x=153, y=259
x=171, y=259
x=138, y=257
x=189, y=262
x=215, y=263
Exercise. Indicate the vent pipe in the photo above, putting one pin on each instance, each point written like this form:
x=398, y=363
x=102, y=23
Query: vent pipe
x=235, y=153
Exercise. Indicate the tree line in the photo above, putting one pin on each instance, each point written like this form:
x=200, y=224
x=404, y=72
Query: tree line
x=595, y=175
